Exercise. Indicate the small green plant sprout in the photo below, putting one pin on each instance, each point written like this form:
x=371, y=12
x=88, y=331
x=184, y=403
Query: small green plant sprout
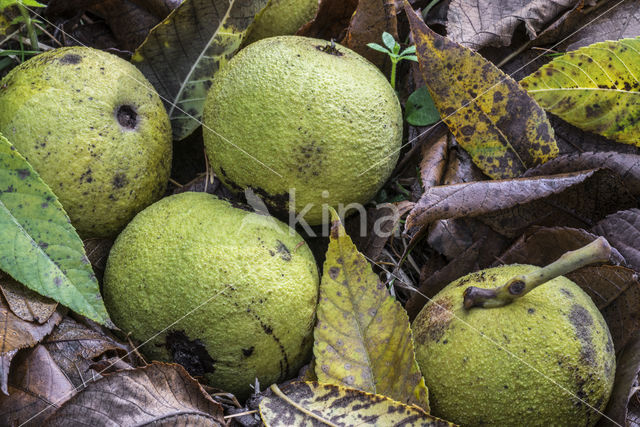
x=25, y=19
x=393, y=50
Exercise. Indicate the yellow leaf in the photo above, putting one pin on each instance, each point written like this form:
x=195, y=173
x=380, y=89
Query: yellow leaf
x=311, y=403
x=362, y=338
x=596, y=88
x=503, y=129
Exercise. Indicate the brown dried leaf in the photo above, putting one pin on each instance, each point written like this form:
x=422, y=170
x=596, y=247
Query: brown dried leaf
x=622, y=230
x=371, y=235
x=25, y=303
x=36, y=386
x=159, y=393
x=370, y=20
x=97, y=250
x=627, y=367
x=543, y=245
x=434, y=161
x=509, y=206
x=74, y=347
x=460, y=168
x=481, y=23
x=331, y=21
x=626, y=166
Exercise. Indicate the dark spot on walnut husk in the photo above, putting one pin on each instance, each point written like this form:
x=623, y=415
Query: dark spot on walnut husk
x=71, y=59
x=284, y=252
x=119, y=180
x=582, y=323
x=192, y=355
x=330, y=49
x=23, y=173
x=246, y=352
x=433, y=321
x=127, y=116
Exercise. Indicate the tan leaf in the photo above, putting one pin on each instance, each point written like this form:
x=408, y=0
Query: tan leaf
x=622, y=230
x=159, y=393
x=312, y=403
x=25, y=303
x=331, y=21
x=503, y=129
x=434, y=162
x=361, y=328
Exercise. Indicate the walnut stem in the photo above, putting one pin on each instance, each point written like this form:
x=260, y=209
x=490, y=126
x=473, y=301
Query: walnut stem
x=518, y=286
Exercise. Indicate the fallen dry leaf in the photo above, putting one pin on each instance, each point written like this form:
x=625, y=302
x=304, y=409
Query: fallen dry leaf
x=36, y=388
x=503, y=129
x=74, y=347
x=622, y=230
x=311, y=403
x=25, y=303
x=509, y=206
x=160, y=393
x=624, y=386
x=480, y=23
x=460, y=168
x=331, y=21
x=360, y=327
x=372, y=234
x=97, y=251
x=434, y=161
x=370, y=20
x=575, y=140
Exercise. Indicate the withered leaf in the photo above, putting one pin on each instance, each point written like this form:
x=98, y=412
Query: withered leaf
x=36, y=388
x=434, y=161
x=627, y=367
x=360, y=328
x=622, y=230
x=543, y=245
x=504, y=130
x=508, y=206
x=315, y=404
x=460, y=168
x=626, y=166
x=74, y=347
x=158, y=393
x=97, y=250
x=371, y=235
x=25, y=303
x=370, y=20
x=331, y=21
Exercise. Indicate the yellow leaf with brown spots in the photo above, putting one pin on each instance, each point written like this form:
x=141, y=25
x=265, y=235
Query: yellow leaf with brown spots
x=311, y=403
x=494, y=119
x=362, y=338
x=596, y=88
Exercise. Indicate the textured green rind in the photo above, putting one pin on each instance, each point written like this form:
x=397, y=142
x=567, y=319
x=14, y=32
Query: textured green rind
x=521, y=364
x=38, y=245
x=281, y=17
x=183, y=53
x=58, y=109
x=596, y=88
x=322, y=121
x=188, y=248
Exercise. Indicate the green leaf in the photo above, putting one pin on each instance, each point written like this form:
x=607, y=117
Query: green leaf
x=411, y=58
x=420, y=109
x=361, y=327
x=389, y=41
x=411, y=49
x=31, y=3
x=376, y=46
x=182, y=54
x=596, y=88
x=38, y=245
x=494, y=119
x=311, y=403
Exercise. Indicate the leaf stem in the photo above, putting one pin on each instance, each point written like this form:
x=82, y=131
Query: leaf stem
x=394, y=63
x=518, y=286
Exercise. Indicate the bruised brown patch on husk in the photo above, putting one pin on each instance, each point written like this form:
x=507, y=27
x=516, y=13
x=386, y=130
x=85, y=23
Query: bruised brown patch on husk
x=192, y=355
x=432, y=323
x=582, y=322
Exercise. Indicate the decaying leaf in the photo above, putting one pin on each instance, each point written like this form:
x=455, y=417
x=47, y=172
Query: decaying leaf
x=509, y=206
x=74, y=347
x=361, y=327
x=627, y=367
x=38, y=245
x=434, y=161
x=36, y=388
x=182, y=54
x=331, y=21
x=504, y=130
x=622, y=230
x=370, y=20
x=480, y=23
x=24, y=303
x=159, y=393
x=596, y=88
x=17, y=334
x=311, y=403
x=372, y=233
